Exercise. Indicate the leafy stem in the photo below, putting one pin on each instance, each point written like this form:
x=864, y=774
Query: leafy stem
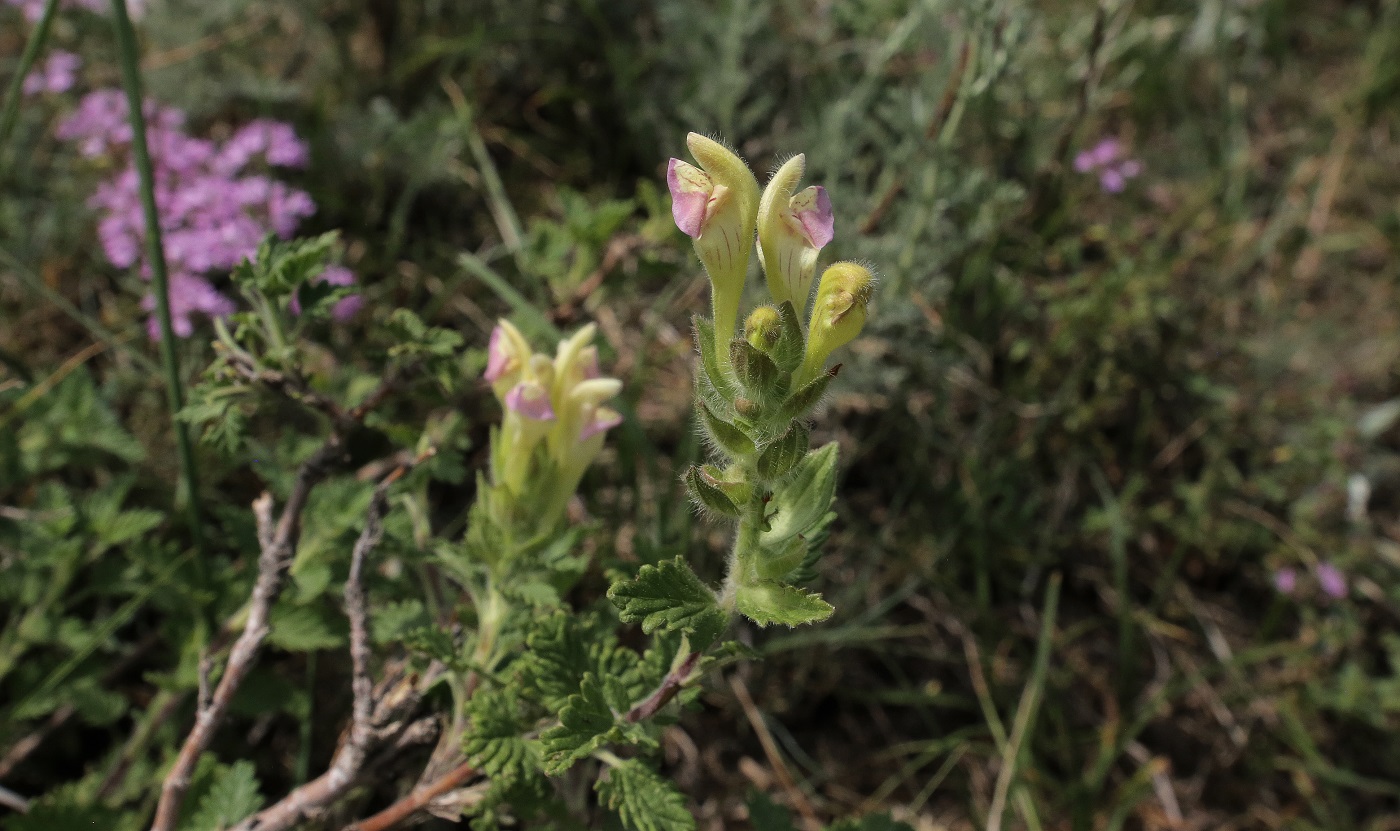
x=741, y=560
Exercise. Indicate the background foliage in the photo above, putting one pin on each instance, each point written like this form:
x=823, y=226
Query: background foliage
x=1164, y=397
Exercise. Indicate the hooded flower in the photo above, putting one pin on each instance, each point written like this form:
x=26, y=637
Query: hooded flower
x=792, y=230
x=716, y=205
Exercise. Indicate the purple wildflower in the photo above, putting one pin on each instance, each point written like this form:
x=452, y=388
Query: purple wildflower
x=57, y=74
x=1286, y=581
x=1332, y=581
x=1105, y=157
x=188, y=294
x=214, y=207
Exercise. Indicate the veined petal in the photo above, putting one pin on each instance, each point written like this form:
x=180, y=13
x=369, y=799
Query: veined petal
x=499, y=357
x=727, y=228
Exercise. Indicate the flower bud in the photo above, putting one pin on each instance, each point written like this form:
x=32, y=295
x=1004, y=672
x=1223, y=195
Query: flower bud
x=717, y=206
x=763, y=328
x=837, y=315
x=792, y=229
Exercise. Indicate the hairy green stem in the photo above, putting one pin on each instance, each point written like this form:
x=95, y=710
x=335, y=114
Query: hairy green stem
x=10, y=114
x=160, y=282
x=741, y=560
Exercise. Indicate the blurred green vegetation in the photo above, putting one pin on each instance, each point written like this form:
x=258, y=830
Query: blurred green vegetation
x=1162, y=397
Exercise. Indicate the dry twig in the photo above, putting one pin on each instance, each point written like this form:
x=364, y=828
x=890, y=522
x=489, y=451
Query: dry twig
x=416, y=801
x=272, y=561
x=366, y=725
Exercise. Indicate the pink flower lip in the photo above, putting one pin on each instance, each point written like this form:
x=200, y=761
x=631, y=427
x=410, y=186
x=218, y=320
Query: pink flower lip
x=688, y=204
x=603, y=420
x=819, y=221
x=530, y=400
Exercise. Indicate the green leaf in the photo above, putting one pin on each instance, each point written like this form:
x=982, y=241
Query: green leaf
x=96, y=704
x=776, y=563
x=68, y=808
x=669, y=596
x=233, y=796
x=814, y=538
x=806, y=398
x=767, y=815
x=757, y=372
x=768, y=601
x=283, y=266
x=435, y=642
x=787, y=353
x=302, y=629
x=585, y=723
x=643, y=800
x=708, y=495
x=390, y=622
x=496, y=742
x=783, y=454
x=726, y=435
x=803, y=499
x=557, y=659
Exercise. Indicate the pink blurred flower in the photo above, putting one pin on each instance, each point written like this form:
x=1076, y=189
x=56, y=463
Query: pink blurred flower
x=1104, y=157
x=1286, y=581
x=57, y=74
x=188, y=294
x=215, y=206
x=1332, y=581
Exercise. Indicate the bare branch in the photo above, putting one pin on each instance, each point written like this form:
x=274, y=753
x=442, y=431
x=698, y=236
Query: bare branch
x=272, y=561
x=349, y=759
x=671, y=685
x=415, y=801
x=13, y=801
x=369, y=723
